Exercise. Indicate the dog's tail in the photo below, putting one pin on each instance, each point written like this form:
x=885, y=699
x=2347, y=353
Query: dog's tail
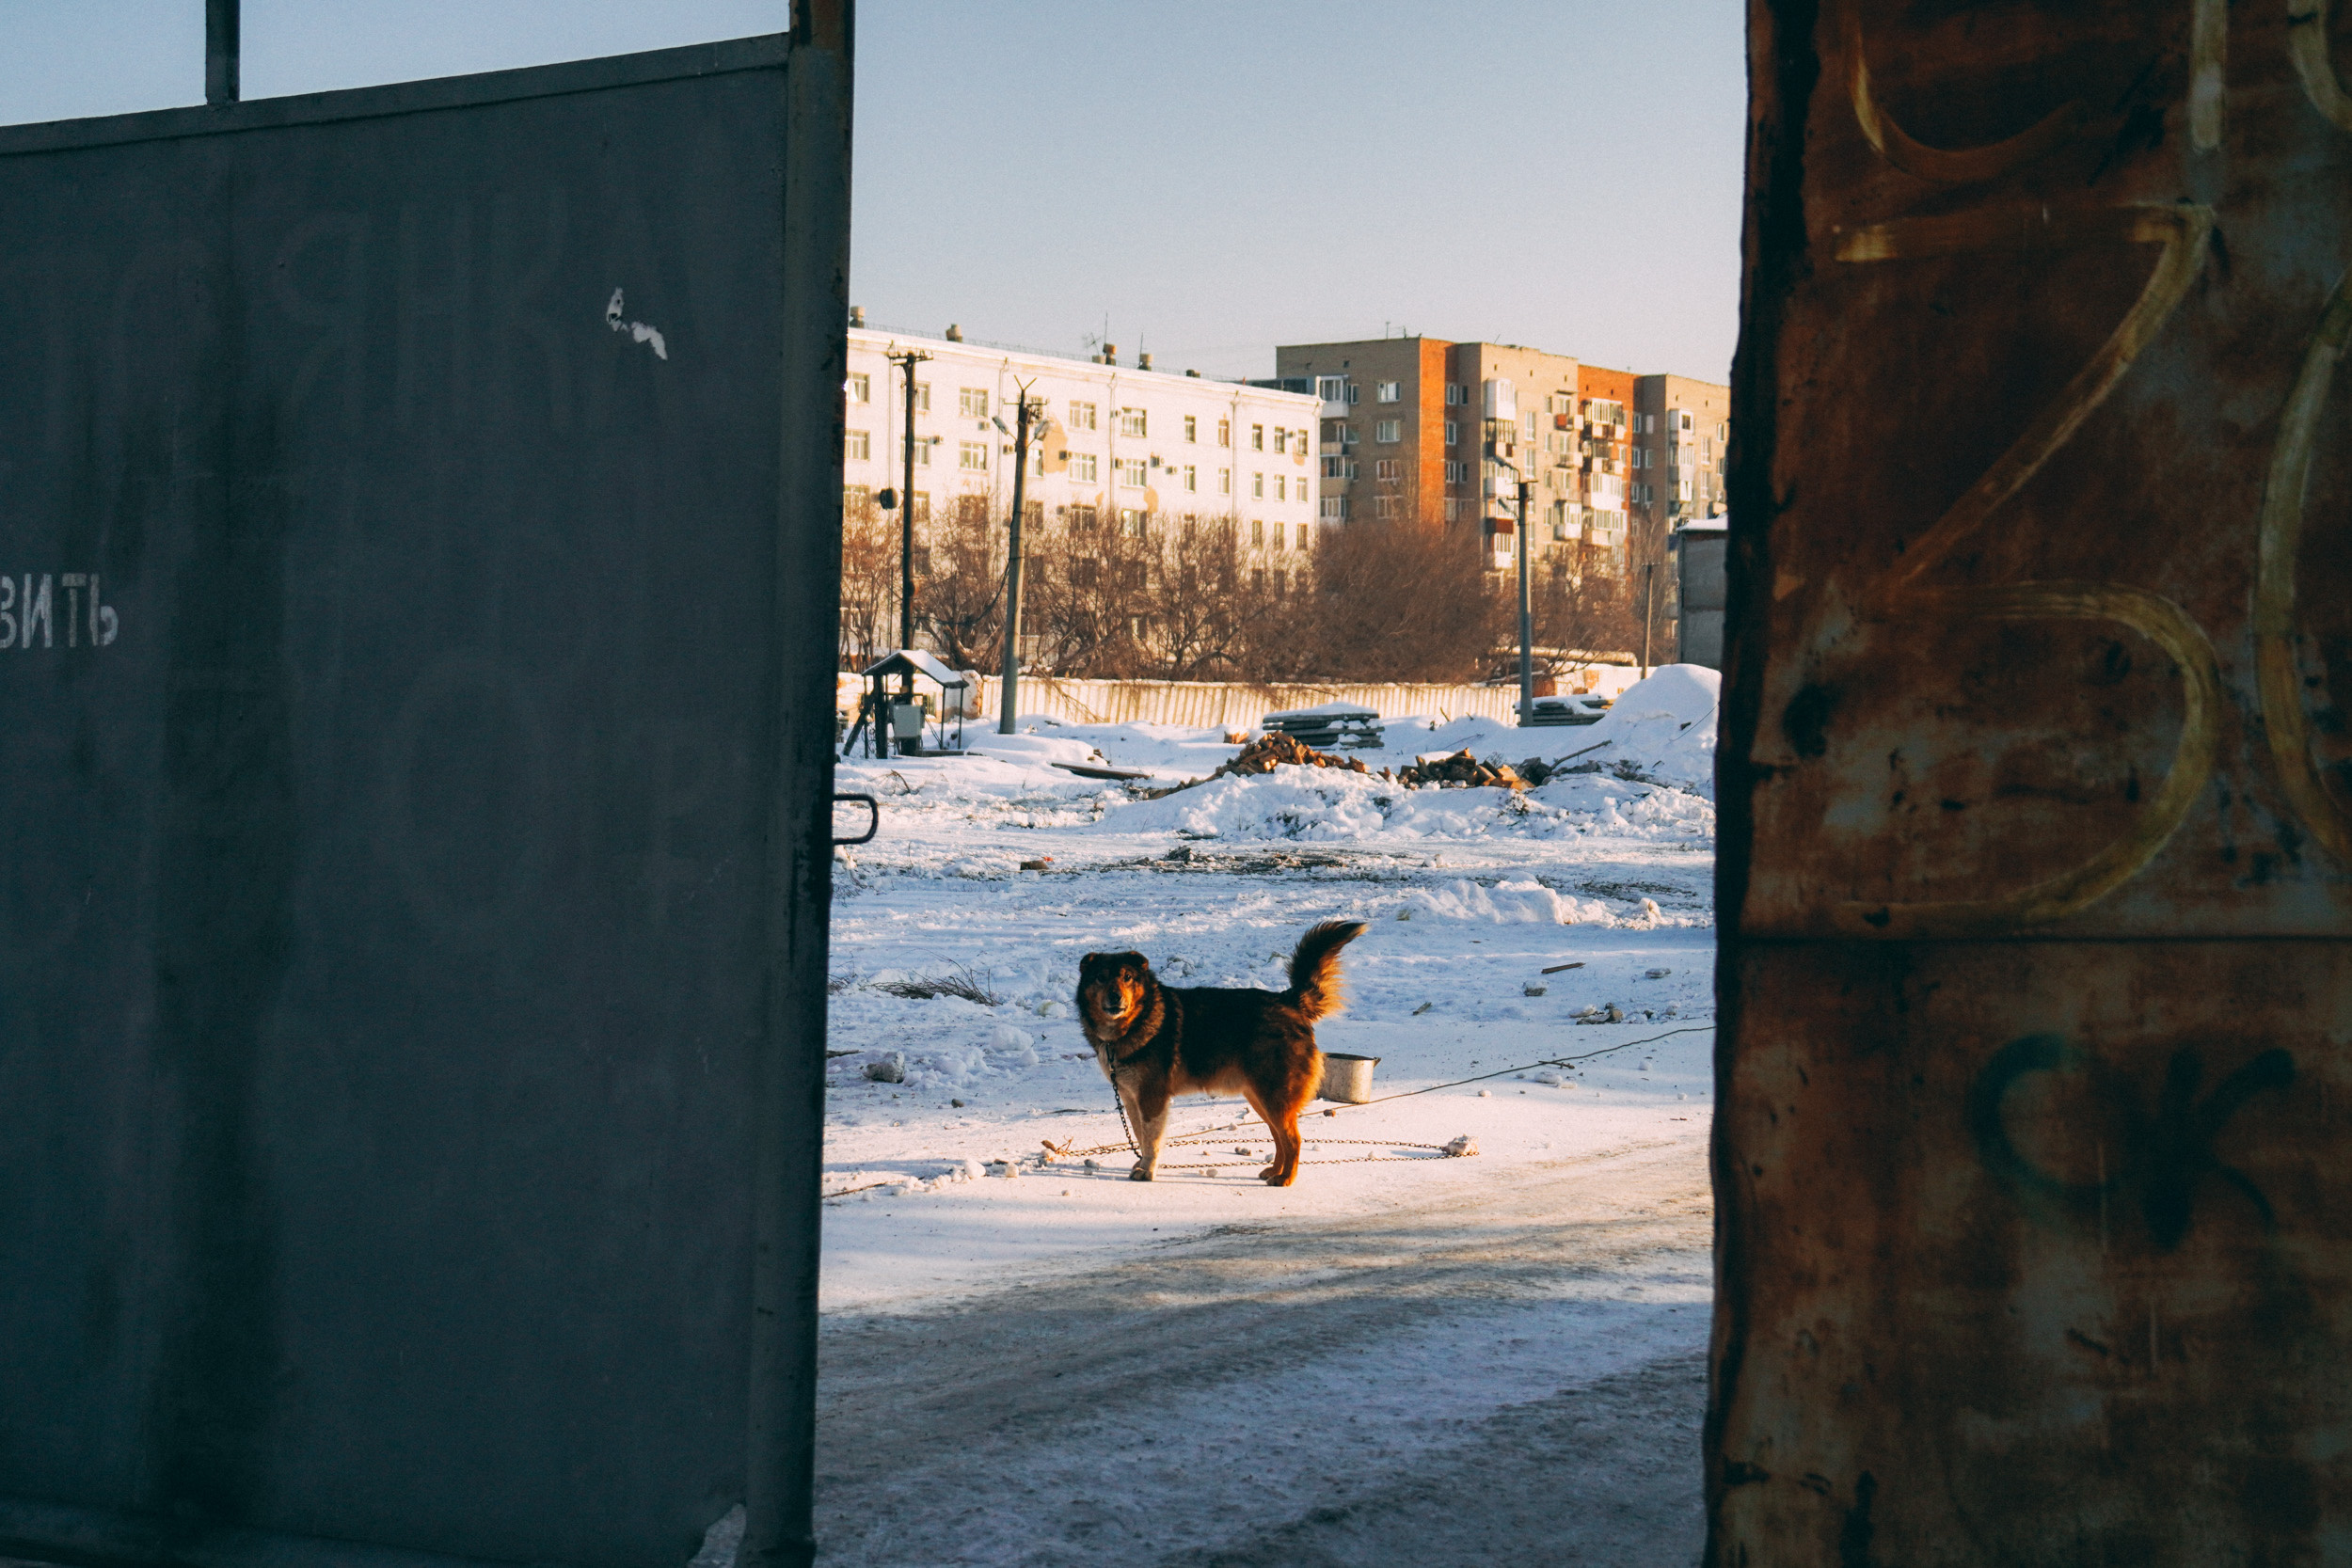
x=1316, y=966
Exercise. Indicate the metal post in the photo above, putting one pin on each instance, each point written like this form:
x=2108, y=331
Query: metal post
x=785, y=1125
x=1649, y=614
x=1527, y=621
x=221, y=52
x=907, y=359
x=1008, y=700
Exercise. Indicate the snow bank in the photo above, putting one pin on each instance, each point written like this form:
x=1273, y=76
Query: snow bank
x=1520, y=902
x=1325, y=804
x=1663, y=728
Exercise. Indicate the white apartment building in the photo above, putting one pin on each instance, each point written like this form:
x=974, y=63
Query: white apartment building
x=1119, y=445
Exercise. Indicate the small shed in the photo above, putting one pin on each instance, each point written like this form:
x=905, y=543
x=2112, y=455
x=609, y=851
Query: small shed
x=898, y=720
x=1699, y=547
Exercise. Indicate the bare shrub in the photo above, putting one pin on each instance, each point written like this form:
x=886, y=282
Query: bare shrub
x=977, y=988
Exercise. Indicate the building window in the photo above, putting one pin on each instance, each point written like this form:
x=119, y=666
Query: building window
x=1282, y=487
x=1388, y=467
x=1257, y=533
x=972, y=401
x=922, y=455
x=972, y=456
x=1281, y=581
x=1192, y=428
x=1224, y=433
x=1453, y=434
x=1384, y=506
x=1082, y=467
x=1281, y=438
x=1456, y=394
x=855, y=498
x=1257, y=579
x=1080, y=518
x=1082, y=574
x=1256, y=486
x=1334, y=467
x=1191, y=481
x=1082, y=416
x=1278, y=536
x=1387, y=391
x=1132, y=473
x=1388, y=431
x=1225, y=481
x=1334, y=509
x=1331, y=389
x=922, y=506
x=1131, y=522
x=1452, y=510
x=1257, y=438
x=861, y=387
x=1132, y=422
x=857, y=445
x=923, y=397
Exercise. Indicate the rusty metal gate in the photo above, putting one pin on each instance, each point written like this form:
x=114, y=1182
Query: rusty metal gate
x=2037, y=839
x=418, y=547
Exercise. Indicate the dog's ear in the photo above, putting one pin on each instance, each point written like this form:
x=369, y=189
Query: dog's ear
x=1089, y=964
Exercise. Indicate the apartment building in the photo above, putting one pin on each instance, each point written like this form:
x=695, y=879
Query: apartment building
x=1404, y=429
x=1120, y=445
x=1682, y=434
x=1605, y=400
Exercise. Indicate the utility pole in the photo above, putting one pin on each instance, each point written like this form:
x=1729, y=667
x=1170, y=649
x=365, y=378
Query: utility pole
x=1027, y=413
x=906, y=359
x=1649, y=612
x=1527, y=619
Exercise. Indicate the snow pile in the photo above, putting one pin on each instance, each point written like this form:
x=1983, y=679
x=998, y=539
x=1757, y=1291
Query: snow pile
x=1662, y=730
x=1321, y=804
x=1520, y=902
x=1037, y=751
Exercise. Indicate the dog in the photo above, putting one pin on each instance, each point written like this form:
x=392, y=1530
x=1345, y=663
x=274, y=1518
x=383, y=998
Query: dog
x=1154, y=1041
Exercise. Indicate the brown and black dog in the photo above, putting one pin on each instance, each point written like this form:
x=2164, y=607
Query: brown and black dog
x=1157, y=1041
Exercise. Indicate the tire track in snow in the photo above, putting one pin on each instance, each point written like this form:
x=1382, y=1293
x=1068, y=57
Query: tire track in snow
x=1498, y=1377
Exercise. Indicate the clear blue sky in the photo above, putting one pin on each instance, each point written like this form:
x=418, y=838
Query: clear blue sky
x=1212, y=178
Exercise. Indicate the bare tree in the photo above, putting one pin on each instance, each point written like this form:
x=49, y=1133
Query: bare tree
x=869, y=579
x=960, y=584
x=1579, y=604
x=1390, y=601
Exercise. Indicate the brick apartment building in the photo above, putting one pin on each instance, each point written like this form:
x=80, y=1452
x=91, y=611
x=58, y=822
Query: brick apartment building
x=1404, y=430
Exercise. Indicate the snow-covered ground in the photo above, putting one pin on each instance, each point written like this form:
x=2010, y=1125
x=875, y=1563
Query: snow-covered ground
x=1600, y=877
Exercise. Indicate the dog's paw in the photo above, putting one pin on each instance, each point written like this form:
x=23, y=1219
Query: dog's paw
x=1268, y=1174
x=1140, y=1174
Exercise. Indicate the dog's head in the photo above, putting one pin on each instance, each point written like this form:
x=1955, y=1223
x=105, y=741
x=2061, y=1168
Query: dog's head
x=1113, y=988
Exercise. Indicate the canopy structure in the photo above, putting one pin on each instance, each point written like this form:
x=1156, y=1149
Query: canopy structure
x=887, y=716
x=914, y=661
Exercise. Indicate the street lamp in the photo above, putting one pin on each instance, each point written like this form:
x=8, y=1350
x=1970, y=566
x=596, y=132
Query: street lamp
x=1527, y=621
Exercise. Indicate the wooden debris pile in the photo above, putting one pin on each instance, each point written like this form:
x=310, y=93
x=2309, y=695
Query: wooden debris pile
x=1461, y=772
x=1265, y=754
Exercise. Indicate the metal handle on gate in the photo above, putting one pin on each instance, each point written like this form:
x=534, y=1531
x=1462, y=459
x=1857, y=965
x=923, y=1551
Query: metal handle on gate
x=873, y=824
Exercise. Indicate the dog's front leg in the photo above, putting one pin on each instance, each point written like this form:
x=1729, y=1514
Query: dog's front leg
x=1147, y=1110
